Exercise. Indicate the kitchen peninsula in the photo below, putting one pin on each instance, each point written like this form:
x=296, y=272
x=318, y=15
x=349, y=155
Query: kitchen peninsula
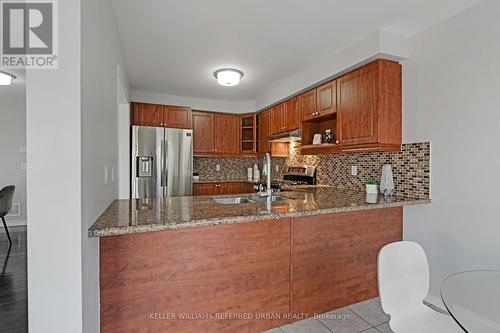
x=310, y=252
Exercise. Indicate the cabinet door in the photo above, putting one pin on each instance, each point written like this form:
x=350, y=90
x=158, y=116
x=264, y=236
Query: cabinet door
x=278, y=121
x=203, y=133
x=177, y=117
x=326, y=102
x=264, y=131
x=292, y=114
x=356, y=110
x=144, y=114
x=203, y=189
x=226, y=133
x=247, y=188
x=248, y=134
x=307, y=104
x=230, y=188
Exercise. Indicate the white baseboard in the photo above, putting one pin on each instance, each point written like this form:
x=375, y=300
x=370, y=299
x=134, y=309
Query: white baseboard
x=15, y=223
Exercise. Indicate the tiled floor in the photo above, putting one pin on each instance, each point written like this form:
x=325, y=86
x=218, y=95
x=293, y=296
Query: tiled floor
x=366, y=317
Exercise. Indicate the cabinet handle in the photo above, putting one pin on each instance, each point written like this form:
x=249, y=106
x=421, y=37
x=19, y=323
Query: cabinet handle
x=337, y=141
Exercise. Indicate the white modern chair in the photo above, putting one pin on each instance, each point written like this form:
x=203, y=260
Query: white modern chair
x=403, y=281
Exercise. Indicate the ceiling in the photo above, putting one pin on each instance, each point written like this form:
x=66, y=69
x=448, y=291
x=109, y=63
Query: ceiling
x=174, y=46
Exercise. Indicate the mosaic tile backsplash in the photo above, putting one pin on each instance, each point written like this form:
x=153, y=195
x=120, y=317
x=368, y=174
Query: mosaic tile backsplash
x=411, y=168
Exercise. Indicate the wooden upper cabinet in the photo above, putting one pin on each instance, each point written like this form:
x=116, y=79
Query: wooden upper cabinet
x=203, y=133
x=326, y=96
x=248, y=134
x=356, y=113
x=369, y=105
x=292, y=114
x=226, y=138
x=278, y=119
x=177, y=117
x=264, y=131
x=144, y=114
x=307, y=104
x=216, y=134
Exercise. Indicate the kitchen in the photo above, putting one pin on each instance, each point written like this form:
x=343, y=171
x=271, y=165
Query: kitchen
x=280, y=181
x=252, y=166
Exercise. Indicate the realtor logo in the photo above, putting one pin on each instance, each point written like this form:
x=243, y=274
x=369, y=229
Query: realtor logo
x=29, y=31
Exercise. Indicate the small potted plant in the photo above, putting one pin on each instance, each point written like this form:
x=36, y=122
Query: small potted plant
x=196, y=176
x=371, y=186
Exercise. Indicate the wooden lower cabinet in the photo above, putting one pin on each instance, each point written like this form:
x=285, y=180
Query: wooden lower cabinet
x=300, y=266
x=149, y=280
x=334, y=258
x=211, y=188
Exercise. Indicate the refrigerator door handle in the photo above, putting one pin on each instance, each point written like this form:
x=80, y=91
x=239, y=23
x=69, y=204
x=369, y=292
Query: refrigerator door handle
x=162, y=179
x=165, y=167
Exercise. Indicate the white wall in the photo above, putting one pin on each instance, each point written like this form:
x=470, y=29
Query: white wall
x=101, y=60
x=53, y=122
x=452, y=97
x=13, y=143
x=123, y=143
x=194, y=103
x=380, y=44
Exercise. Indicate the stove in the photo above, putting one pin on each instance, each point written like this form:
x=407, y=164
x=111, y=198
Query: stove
x=296, y=176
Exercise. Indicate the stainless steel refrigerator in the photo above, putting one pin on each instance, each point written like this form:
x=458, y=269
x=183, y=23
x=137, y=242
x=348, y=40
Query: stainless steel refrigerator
x=162, y=162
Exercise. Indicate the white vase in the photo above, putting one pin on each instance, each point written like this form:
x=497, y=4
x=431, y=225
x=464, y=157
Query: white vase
x=387, y=180
x=372, y=198
x=371, y=189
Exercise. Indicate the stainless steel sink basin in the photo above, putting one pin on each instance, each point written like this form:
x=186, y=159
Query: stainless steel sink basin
x=274, y=198
x=244, y=200
x=232, y=201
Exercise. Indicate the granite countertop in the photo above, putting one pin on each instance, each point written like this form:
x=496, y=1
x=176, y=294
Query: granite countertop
x=145, y=215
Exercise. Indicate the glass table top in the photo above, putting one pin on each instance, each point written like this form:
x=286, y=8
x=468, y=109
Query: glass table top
x=473, y=299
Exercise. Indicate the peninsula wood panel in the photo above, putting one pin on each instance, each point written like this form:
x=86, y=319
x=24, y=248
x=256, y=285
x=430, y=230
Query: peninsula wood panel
x=334, y=257
x=234, y=268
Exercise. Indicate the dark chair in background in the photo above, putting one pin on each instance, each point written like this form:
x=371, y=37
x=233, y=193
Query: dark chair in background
x=6, y=195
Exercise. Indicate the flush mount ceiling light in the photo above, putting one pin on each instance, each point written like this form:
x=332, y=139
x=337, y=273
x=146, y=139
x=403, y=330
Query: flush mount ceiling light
x=6, y=78
x=228, y=76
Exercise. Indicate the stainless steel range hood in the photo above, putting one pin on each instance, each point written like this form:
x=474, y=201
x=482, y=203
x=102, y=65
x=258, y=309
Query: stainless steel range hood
x=290, y=136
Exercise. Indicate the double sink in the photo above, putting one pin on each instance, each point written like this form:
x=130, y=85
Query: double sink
x=245, y=200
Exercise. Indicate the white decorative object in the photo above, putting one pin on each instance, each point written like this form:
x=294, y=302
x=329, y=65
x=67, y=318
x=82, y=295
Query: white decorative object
x=250, y=174
x=196, y=178
x=256, y=173
x=317, y=139
x=387, y=180
x=372, y=198
x=371, y=189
